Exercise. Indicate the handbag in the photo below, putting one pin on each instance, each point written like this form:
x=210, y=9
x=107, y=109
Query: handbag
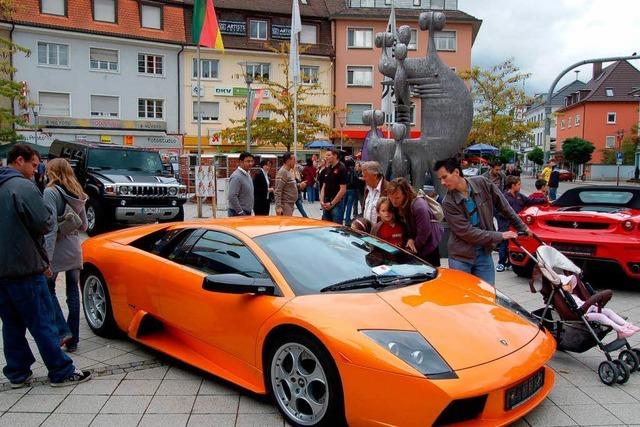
x=69, y=221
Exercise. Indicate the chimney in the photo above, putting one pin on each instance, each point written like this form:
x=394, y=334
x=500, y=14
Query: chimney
x=597, y=70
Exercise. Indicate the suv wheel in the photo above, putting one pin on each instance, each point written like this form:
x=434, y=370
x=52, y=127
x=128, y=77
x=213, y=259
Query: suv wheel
x=95, y=219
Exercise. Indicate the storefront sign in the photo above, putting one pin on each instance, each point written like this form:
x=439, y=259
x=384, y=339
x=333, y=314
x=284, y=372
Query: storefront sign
x=44, y=139
x=282, y=32
x=129, y=140
x=215, y=137
x=230, y=91
x=105, y=138
x=169, y=141
x=240, y=91
x=68, y=122
x=233, y=28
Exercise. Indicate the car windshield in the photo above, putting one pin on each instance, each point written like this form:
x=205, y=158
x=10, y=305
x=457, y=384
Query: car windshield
x=127, y=160
x=606, y=197
x=313, y=260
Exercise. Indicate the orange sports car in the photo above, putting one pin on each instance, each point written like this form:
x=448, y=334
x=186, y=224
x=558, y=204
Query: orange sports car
x=339, y=327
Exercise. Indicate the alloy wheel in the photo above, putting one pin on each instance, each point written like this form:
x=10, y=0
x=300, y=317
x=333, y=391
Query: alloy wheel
x=94, y=301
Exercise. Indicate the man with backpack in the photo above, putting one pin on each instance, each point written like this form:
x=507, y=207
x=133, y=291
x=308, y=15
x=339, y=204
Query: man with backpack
x=25, y=302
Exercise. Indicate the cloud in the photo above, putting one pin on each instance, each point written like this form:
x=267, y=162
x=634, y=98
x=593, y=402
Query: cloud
x=546, y=36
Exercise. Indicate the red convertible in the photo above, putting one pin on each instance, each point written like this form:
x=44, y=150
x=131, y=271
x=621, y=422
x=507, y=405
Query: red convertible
x=598, y=227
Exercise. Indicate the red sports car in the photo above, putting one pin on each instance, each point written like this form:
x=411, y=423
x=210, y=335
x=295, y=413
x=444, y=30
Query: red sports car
x=596, y=226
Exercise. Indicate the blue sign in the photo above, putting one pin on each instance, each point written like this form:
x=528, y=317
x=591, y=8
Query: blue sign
x=619, y=157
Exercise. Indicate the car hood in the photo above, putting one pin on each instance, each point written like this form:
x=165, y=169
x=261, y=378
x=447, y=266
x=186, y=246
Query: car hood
x=124, y=178
x=457, y=314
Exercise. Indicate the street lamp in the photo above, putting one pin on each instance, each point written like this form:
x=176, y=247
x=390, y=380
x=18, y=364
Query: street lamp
x=341, y=120
x=34, y=110
x=248, y=79
x=619, y=135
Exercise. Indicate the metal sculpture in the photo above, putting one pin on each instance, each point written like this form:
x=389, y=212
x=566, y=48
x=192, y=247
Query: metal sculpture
x=446, y=107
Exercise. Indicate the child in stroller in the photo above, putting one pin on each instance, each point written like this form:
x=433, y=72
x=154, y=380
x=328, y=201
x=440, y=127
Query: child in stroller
x=575, y=313
x=604, y=316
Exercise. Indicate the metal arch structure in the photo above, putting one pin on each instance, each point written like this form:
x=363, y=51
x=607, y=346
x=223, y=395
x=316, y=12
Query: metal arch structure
x=547, y=106
x=446, y=108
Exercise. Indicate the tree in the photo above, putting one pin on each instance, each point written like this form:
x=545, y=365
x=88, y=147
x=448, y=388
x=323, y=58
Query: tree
x=10, y=91
x=498, y=92
x=507, y=155
x=628, y=147
x=278, y=129
x=577, y=150
x=536, y=156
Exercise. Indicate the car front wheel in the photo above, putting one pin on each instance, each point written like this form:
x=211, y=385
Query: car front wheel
x=304, y=381
x=97, y=304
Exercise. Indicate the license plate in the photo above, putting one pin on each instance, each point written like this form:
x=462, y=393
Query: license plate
x=524, y=391
x=575, y=249
x=150, y=210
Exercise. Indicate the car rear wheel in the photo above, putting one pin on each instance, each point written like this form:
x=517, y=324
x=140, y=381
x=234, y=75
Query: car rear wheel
x=304, y=381
x=523, y=270
x=97, y=304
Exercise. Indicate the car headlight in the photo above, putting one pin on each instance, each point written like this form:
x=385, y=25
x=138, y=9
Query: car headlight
x=172, y=191
x=413, y=349
x=504, y=301
x=124, y=190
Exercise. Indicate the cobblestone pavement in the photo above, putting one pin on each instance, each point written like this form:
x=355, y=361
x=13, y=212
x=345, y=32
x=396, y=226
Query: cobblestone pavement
x=133, y=385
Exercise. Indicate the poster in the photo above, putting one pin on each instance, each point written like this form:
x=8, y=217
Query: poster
x=205, y=181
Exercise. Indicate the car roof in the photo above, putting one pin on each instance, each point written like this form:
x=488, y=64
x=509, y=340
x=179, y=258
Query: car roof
x=255, y=226
x=571, y=196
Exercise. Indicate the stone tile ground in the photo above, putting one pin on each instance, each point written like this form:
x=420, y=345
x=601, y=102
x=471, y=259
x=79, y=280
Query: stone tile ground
x=134, y=386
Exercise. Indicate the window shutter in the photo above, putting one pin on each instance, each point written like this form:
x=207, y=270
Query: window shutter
x=308, y=34
x=104, y=10
x=54, y=104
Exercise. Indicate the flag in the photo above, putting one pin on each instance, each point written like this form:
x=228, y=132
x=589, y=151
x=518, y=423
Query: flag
x=206, y=31
x=388, y=96
x=294, y=57
x=258, y=94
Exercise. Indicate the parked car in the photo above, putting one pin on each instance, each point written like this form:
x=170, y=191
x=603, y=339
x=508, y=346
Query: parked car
x=598, y=227
x=566, y=175
x=380, y=337
x=125, y=185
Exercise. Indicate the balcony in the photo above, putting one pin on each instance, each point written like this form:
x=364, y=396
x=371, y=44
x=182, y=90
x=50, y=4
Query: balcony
x=405, y=4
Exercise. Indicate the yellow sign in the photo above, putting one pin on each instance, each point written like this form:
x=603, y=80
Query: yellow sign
x=105, y=138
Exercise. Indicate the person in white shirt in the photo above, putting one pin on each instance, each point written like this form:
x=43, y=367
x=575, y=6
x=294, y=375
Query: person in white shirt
x=376, y=187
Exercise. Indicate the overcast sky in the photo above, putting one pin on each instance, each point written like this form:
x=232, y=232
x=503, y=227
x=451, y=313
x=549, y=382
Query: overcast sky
x=546, y=36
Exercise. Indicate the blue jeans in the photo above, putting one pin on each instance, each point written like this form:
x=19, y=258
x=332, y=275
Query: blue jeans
x=351, y=203
x=26, y=304
x=336, y=214
x=311, y=193
x=72, y=325
x=300, y=207
x=503, y=253
x=553, y=192
x=482, y=267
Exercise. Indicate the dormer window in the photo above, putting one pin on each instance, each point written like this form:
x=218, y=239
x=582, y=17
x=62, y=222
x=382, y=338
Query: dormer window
x=609, y=91
x=54, y=7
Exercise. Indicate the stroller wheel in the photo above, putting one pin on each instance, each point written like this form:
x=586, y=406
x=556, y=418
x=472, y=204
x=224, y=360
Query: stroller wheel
x=608, y=372
x=630, y=358
x=637, y=352
x=623, y=371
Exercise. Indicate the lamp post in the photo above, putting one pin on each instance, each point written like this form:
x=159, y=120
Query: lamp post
x=341, y=119
x=248, y=79
x=34, y=110
x=619, y=135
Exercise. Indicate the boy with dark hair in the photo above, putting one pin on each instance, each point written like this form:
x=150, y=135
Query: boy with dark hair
x=469, y=208
x=542, y=191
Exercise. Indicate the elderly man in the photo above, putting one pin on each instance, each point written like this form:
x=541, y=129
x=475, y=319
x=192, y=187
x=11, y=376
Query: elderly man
x=286, y=191
x=376, y=187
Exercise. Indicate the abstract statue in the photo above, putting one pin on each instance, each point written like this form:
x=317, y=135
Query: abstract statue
x=446, y=107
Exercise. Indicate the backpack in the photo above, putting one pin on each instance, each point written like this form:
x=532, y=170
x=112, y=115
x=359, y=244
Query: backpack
x=434, y=205
x=69, y=221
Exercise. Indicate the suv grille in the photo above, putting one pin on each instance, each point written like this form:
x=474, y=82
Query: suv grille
x=149, y=191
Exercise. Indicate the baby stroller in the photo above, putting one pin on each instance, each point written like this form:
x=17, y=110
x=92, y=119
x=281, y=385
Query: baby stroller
x=567, y=321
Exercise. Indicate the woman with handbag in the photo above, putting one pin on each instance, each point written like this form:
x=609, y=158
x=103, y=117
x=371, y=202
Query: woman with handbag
x=65, y=199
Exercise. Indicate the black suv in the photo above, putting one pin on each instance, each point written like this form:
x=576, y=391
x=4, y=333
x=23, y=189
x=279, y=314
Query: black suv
x=125, y=185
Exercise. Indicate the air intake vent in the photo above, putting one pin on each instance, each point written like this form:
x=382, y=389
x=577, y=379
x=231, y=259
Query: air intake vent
x=462, y=410
x=579, y=225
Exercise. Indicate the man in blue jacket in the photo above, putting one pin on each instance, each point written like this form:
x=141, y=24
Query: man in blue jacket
x=25, y=302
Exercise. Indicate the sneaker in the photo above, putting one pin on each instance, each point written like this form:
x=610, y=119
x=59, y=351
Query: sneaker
x=65, y=340
x=77, y=377
x=625, y=333
x=71, y=348
x=500, y=268
x=24, y=382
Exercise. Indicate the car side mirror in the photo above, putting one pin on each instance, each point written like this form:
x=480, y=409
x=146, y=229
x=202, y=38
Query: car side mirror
x=238, y=284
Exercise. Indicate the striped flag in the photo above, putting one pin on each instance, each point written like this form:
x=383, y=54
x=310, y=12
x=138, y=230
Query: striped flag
x=206, y=31
x=294, y=57
x=258, y=94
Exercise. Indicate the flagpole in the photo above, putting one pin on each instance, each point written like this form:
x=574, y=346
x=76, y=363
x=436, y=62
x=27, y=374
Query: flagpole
x=295, y=119
x=199, y=132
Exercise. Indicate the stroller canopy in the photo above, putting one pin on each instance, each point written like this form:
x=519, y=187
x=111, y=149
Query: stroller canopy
x=553, y=263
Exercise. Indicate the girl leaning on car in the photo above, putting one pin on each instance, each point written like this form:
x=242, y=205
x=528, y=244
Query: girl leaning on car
x=65, y=199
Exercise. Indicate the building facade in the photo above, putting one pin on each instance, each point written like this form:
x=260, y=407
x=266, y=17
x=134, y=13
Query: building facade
x=602, y=112
x=101, y=70
x=358, y=83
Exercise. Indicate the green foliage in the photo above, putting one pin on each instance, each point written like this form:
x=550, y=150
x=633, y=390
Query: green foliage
x=278, y=129
x=577, y=150
x=10, y=91
x=628, y=148
x=536, y=156
x=497, y=92
x=507, y=155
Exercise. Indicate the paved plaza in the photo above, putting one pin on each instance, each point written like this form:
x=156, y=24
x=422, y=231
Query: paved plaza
x=133, y=385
